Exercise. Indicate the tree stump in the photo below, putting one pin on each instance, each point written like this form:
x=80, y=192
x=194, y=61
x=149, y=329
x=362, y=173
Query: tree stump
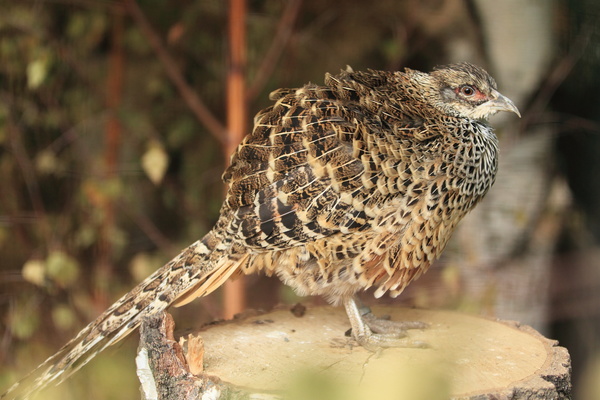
x=304, y=354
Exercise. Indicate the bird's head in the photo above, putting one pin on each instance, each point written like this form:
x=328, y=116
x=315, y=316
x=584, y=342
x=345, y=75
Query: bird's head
x=467, y=90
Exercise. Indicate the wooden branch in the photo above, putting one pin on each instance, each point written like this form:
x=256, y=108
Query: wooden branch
x=103, y=265
x=194, y=102
x=282, y=35
x=234, y=291
x=284, y=354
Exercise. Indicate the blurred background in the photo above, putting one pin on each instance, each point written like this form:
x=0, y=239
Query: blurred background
x=117, y=119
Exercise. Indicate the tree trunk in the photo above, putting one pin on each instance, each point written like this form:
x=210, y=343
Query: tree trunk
x=305, y=354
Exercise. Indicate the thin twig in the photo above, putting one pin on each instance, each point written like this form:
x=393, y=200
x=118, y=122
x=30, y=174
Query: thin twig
x=194, y=102
x=29, y=177
x=280, y=40
x=148, y=227
x=556, y=77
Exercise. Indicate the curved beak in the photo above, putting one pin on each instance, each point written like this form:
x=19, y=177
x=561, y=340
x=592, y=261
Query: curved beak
x=500, y=102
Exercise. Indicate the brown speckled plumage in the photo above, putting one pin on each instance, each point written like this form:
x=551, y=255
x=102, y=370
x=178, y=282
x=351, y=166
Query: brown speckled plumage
x=340, y=187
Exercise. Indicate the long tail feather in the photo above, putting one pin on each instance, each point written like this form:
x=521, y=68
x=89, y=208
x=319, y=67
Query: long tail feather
x=196, y=271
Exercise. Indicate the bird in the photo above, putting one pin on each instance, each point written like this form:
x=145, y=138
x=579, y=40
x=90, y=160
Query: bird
x=351, y=184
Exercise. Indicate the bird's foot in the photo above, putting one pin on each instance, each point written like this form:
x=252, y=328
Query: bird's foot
x=384, y=333
x=383, y=325
x=374, y=333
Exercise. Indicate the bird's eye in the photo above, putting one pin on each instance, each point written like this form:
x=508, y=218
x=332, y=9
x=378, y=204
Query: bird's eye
x=467, y=90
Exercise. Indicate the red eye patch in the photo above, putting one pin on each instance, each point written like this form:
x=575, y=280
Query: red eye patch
x=470, y=92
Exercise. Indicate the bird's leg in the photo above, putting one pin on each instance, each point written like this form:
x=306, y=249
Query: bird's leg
x=373, y=333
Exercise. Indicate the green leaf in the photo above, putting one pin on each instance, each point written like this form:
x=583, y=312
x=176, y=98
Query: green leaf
x=24, y=321
x=155, y=162
x=37, y=70
x=63, y=317
x=62, y=268
x=34, y=271
x=46, y=162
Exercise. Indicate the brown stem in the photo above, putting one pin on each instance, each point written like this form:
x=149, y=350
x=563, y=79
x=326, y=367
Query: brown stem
x=112, y=146
x=194, y=102
x=282, y=36
x=235, y=291
x=148, y=228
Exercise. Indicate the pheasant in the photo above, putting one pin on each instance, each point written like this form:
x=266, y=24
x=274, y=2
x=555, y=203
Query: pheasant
x=355, y=183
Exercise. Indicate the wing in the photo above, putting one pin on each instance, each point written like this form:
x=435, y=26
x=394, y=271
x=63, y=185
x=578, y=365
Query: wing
x=292, y=180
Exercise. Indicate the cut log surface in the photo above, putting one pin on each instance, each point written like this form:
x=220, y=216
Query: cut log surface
x=281, y=355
